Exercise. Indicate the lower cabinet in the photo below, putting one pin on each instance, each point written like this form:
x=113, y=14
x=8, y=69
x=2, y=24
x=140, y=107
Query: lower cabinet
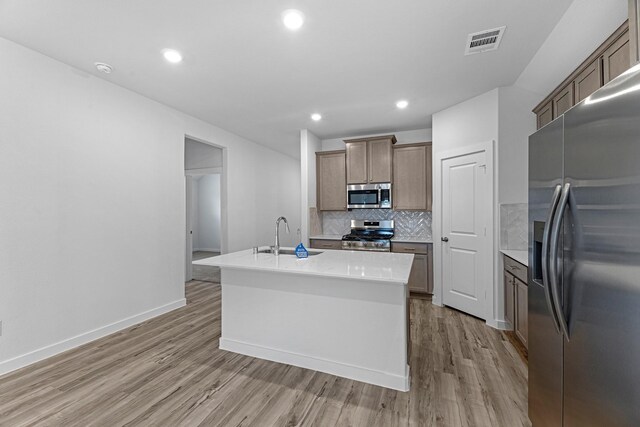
x=509, y=299
x=521, y=326
x=325, y=244
x=516, y=299
x=421, y=277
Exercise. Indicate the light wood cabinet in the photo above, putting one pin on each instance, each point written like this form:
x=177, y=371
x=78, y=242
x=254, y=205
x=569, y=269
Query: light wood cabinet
x=563, y=100
x=634, y=34
x=325, y=244
x=421, y=276
x=380, y=160
x=509, y=299
x=588, y=81
x=412, y=177
x=613, y=57
x=516, y=298
x=545, y=115
x=357, y=165
x=616, y=59
x=331, y=184
x=521, y=326
x=369, y=160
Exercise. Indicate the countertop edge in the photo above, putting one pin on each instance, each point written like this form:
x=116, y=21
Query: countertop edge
x=306, y=273
x=520, y=256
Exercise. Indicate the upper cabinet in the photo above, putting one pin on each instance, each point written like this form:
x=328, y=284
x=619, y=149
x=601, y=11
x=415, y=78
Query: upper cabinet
x=412, y=177
x=369, y=160
x=612, y=58
x=616, y=59
x=563, y=100
x=331, y=185
x=634, y=34
x=589, y=80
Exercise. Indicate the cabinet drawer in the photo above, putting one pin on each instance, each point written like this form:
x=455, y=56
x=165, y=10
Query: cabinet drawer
x=325, y=244
x=515, y=268
x=409, y=248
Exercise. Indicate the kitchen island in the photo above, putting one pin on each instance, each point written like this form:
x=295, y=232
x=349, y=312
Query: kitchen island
x=339, y=312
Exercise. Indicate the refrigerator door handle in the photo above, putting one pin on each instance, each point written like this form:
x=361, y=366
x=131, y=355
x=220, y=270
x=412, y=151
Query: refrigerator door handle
x=553, y=258
x=545, y=260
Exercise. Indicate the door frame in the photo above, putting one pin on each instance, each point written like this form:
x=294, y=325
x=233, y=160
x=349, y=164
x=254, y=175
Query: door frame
x=224, y=229
x=490, y=243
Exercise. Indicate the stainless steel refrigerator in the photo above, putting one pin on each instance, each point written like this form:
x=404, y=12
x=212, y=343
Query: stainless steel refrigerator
x=584, y=262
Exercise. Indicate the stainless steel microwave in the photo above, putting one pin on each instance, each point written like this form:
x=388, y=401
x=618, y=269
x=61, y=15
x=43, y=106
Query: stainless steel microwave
x=369, y=196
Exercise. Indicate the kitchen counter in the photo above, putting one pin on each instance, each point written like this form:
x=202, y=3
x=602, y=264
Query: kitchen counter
x=521, y=256
x=359, y=265
x=341, y=312
x=410, y=239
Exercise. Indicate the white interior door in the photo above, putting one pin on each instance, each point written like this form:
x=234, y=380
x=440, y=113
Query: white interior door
x=466, y=211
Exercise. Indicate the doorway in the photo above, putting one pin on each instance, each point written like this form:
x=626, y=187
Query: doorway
x=466, y=244
x=204, y=208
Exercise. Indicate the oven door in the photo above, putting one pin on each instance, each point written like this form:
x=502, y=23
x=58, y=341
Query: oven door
x=361, y=197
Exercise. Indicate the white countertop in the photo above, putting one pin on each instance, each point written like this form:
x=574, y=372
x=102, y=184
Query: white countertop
x=361, y=265
x=399, y=239
x=521, y=256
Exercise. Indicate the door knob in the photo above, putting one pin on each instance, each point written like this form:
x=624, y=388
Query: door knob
x=444, y=239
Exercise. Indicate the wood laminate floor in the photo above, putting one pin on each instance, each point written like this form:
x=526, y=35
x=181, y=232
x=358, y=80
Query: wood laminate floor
x=169, y=372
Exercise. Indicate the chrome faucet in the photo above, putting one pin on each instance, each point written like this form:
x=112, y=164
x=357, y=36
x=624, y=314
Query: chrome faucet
x=276, y=247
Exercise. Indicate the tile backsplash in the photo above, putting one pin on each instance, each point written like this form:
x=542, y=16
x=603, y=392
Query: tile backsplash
x=407, y=223
x=513, y=226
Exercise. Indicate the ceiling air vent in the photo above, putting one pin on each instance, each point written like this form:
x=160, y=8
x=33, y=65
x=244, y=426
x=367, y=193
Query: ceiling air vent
x=484, y=41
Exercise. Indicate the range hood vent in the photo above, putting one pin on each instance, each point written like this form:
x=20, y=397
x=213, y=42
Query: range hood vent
x=484, y=41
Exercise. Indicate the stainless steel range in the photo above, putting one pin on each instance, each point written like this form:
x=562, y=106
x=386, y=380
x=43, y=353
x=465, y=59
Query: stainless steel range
x=369, y=236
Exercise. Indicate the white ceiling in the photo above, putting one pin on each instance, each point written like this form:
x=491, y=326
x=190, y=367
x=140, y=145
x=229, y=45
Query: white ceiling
x=243, y=71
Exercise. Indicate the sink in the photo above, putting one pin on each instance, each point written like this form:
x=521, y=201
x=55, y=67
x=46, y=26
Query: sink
x=287, y=252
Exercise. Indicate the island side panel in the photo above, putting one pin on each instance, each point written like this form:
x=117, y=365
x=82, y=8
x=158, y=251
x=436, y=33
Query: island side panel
x=348, y=327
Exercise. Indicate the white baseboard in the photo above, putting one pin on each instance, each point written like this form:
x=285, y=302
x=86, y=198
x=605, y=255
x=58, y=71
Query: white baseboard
x=84, y=338
x=502, y=325
x=383, y=379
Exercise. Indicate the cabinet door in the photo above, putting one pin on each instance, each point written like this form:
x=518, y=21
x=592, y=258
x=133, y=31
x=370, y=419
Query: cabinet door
x=380, y=155
x=357, y=162
x=563, y=100
x=617, y=58
x=545, y=115
x=331, y=183
x=418, y=277
x=522, y=311
x=430, y=268
x=410, y=177
x=509, y=299
x=589, y=80
x=325, y=244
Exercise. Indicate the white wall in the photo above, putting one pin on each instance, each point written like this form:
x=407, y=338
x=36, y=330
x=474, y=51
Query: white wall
x=92, y=204
x=582, y=28
x=207, y=231
x=515, y=123
x=309, y=145
x=403, y=137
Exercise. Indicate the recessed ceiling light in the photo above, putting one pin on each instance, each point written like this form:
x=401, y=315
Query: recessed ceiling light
x=104, y=68
x=172, y=55
x=315, y=117
x=402, y=104
x=292, y=19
